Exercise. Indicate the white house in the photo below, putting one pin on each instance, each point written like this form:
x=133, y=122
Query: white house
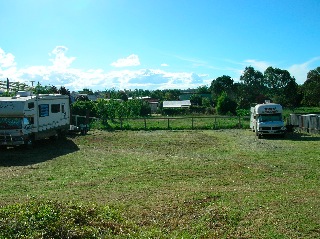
x=177, y=104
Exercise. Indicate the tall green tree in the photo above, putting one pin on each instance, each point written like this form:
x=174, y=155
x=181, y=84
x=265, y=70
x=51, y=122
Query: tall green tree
x=311, y=88
x=254, y=88
x=225, y=105
x=281, y=87
x=222, y=84
x=203, y=89
x=196, y=99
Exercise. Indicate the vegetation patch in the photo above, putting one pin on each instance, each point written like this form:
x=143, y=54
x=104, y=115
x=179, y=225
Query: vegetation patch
x=51, y=219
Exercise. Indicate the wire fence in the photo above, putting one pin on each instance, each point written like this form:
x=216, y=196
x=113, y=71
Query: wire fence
x=166, y=123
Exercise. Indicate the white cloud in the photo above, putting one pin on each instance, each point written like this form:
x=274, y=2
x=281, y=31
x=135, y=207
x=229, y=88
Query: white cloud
x=132, y=60
x=60, y=60
x=300, y=71
x=60, y=73
x=258, y=65
x=164, y=65
x=6, y=60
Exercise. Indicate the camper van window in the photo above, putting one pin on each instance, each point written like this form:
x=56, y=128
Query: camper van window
x=26, y=121
x=31, y=105
x=55, y=108
x=62, y=108
x=10, y=123
x=269, y=117
x=43, y=110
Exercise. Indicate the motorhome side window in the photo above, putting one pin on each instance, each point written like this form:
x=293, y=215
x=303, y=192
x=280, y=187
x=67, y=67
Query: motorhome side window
x=55, y=108
x=31, y=105
x=43, y=110
x=62, y=108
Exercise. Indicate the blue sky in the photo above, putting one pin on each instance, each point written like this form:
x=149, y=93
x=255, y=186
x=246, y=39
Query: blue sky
x=154, y=44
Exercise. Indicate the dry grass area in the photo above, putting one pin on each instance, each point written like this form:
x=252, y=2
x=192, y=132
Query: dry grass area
x=177, y=184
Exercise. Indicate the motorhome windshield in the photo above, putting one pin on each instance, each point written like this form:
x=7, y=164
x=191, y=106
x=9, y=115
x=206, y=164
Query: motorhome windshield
x=269, y=117
x=10, y=123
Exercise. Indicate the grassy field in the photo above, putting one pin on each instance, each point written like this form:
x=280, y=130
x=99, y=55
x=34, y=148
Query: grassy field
x=177, y=123
x=162, y=184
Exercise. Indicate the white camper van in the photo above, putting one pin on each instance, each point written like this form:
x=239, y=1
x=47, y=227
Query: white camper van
x=25, y=118
x=267, y=119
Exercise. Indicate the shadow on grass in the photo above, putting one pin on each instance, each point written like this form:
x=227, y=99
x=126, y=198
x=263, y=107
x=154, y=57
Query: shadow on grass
x=294, y=136
x=42, y=151
x=303, y=136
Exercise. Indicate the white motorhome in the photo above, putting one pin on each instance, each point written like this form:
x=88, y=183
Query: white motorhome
x=267, y=119
x=25, y=118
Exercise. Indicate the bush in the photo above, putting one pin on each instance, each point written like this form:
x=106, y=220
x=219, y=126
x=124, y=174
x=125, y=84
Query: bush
x=225, y=105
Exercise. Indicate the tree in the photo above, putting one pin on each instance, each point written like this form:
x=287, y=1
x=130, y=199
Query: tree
x=63, y=91
x=281, y=87
x=39, y=89
x=311, y=88
x=203, y=90
x=86, y=91
x=253, y=88
x=196, y=99
x=222, y=84
x=225, y=105
x=290, y=95
x=83, y=107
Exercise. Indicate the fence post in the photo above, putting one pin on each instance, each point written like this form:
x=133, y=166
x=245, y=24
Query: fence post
x=121, y=123
x=145, y=124
x=239, y=122
x=168, y=123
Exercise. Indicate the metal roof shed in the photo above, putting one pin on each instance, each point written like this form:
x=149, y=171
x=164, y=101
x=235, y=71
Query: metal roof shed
x=177, y=104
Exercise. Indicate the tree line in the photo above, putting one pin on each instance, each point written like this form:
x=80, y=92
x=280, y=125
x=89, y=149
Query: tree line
x=223, y=96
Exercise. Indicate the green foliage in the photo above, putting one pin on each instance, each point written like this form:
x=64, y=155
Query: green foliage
x=112, y=109
x=243, y=112
x=50, y=219
x=7, y=94
x=86, y=91
x=253, y=86
x=311, y=88
x=83, y=108
x=222, y=84
x=196, y=99
x=48, y=89
x=205, y=102
x=225, y=105
x=203, y=89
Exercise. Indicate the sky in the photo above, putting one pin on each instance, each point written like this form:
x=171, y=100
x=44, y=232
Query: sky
x=154, y=44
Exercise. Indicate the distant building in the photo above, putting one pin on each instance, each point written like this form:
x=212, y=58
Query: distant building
x=153, y=103
x=177, y=104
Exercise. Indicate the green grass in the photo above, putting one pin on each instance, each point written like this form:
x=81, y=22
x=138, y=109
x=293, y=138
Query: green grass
x=163, y=184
